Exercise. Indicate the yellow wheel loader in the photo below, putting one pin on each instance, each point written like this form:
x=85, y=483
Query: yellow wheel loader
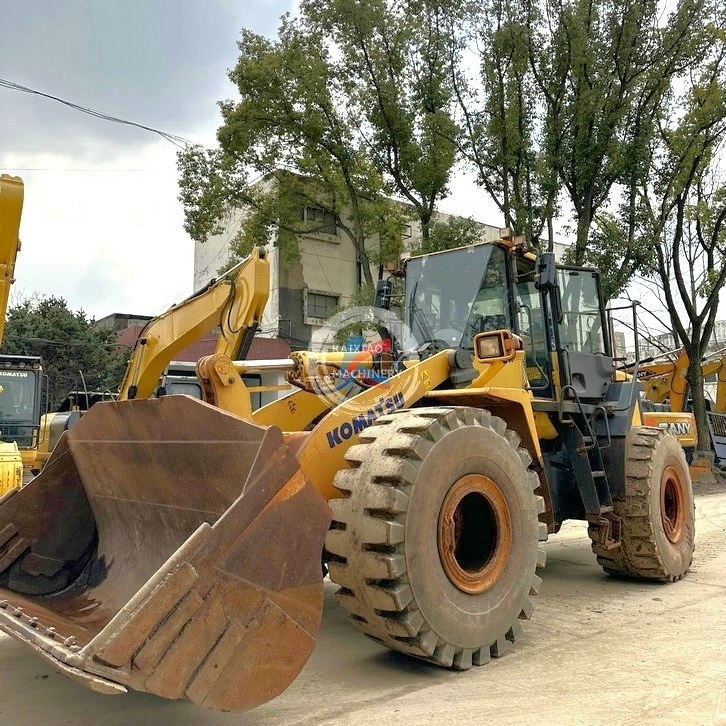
x=177, y=546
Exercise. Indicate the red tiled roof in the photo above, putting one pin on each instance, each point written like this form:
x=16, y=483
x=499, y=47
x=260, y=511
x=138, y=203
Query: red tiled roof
x=128, y=336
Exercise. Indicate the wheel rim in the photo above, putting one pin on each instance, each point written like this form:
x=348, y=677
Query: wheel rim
x=474, y=534
x=671, y=504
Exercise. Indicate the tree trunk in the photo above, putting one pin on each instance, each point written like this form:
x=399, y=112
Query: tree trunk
x=698, y=398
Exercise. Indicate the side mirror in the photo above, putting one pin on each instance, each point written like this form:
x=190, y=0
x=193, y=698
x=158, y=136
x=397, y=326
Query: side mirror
x=545, y=278
x=384, y=290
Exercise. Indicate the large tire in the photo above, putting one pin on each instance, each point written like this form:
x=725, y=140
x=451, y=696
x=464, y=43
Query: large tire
x=436, y=541
x=657, y=513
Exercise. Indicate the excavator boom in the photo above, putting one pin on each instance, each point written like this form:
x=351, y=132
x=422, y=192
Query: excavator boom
x=11, y=207
x=233, y=302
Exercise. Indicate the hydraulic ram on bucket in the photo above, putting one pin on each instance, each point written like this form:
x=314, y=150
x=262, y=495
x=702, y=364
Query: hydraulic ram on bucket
x=168, y=547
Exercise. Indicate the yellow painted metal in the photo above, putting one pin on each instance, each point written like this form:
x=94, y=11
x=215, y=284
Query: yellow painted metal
x=680, y=423
x=292, y=413
x=323, y=453
x=223, y=386
x=11, y=467
x=667, y=380
x=545, y=429
x=501, y=372
x=233, y=302
x=11, y=207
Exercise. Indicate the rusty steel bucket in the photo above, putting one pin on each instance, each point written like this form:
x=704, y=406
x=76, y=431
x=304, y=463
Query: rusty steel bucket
x=167, y=547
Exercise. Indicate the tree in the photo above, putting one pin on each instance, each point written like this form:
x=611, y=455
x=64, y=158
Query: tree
x=395, y=67
x=501, y=113
x=345, y=107
x=289, y=134
x=69, y=344
x=562, y=106
x=682, y=197
x=445, y=235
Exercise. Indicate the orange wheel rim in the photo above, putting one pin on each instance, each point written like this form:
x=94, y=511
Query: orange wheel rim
x=474, y=534
x=672, y=504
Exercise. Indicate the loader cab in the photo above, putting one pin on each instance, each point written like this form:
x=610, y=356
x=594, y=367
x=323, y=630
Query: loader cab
x=453, y=295
x=573, y=310
x=557, y=310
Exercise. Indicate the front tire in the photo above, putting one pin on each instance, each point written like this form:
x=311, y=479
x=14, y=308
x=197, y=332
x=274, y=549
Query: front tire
x=436, y=541
x=657, y=514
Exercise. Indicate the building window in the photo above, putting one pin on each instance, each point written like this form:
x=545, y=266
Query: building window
x=319, y=219
x=320, y=305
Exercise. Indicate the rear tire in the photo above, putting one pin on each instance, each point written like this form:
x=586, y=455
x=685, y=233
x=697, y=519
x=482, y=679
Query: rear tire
x=436, y=541
x=657, y=513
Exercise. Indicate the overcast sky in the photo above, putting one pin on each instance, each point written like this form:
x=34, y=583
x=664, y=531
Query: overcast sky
x=101, y=224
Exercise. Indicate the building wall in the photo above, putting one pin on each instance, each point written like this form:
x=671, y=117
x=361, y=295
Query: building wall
x=326, y=272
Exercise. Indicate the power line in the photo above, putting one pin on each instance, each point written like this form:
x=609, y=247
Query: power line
x=178, y=141
x=99, y=171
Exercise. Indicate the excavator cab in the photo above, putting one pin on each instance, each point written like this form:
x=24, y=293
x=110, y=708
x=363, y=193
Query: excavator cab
x=21, y=379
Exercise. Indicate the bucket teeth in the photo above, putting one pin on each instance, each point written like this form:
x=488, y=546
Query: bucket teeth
x=175, y=549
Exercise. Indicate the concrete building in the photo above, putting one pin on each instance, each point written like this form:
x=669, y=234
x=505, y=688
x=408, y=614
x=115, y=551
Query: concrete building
x=304, y=292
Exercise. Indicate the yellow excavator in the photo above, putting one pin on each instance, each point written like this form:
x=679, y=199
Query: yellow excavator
x=177, y=546
x=20, y=376
x=665, y=389
x=664, y=379
x=233, y=303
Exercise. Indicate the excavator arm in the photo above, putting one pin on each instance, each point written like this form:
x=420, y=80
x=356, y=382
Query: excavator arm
x=233, y=302
x=667, y=381
x=11, y=207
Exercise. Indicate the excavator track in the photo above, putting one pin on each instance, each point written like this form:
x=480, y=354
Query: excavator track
x=167, y=547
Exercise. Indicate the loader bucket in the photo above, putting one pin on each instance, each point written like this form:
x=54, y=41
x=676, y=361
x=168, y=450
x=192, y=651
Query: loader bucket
x=167, y=547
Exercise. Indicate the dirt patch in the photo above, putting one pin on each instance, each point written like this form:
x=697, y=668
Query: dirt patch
x=718, y=487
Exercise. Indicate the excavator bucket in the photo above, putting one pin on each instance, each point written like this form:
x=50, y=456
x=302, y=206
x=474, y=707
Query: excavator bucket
x=167, y=547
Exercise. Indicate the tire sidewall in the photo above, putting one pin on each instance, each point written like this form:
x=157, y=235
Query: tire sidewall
x=676, y=556
x=456, y=616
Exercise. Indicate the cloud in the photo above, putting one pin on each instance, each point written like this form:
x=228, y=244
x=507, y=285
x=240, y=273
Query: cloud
x=102, y=226
x=109, y=240
x=158, y=63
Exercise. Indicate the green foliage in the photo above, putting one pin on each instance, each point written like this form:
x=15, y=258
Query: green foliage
x=448, y=234
x=347, y=105
x=395, y=70
x=364, y=296
x=566, y=103
x=615, y=253
x=68, y=343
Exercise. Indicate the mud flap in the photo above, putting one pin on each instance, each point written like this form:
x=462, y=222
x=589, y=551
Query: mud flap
x=167, y=547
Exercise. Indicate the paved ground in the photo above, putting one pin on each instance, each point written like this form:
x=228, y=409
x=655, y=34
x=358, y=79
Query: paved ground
x=597, y=651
